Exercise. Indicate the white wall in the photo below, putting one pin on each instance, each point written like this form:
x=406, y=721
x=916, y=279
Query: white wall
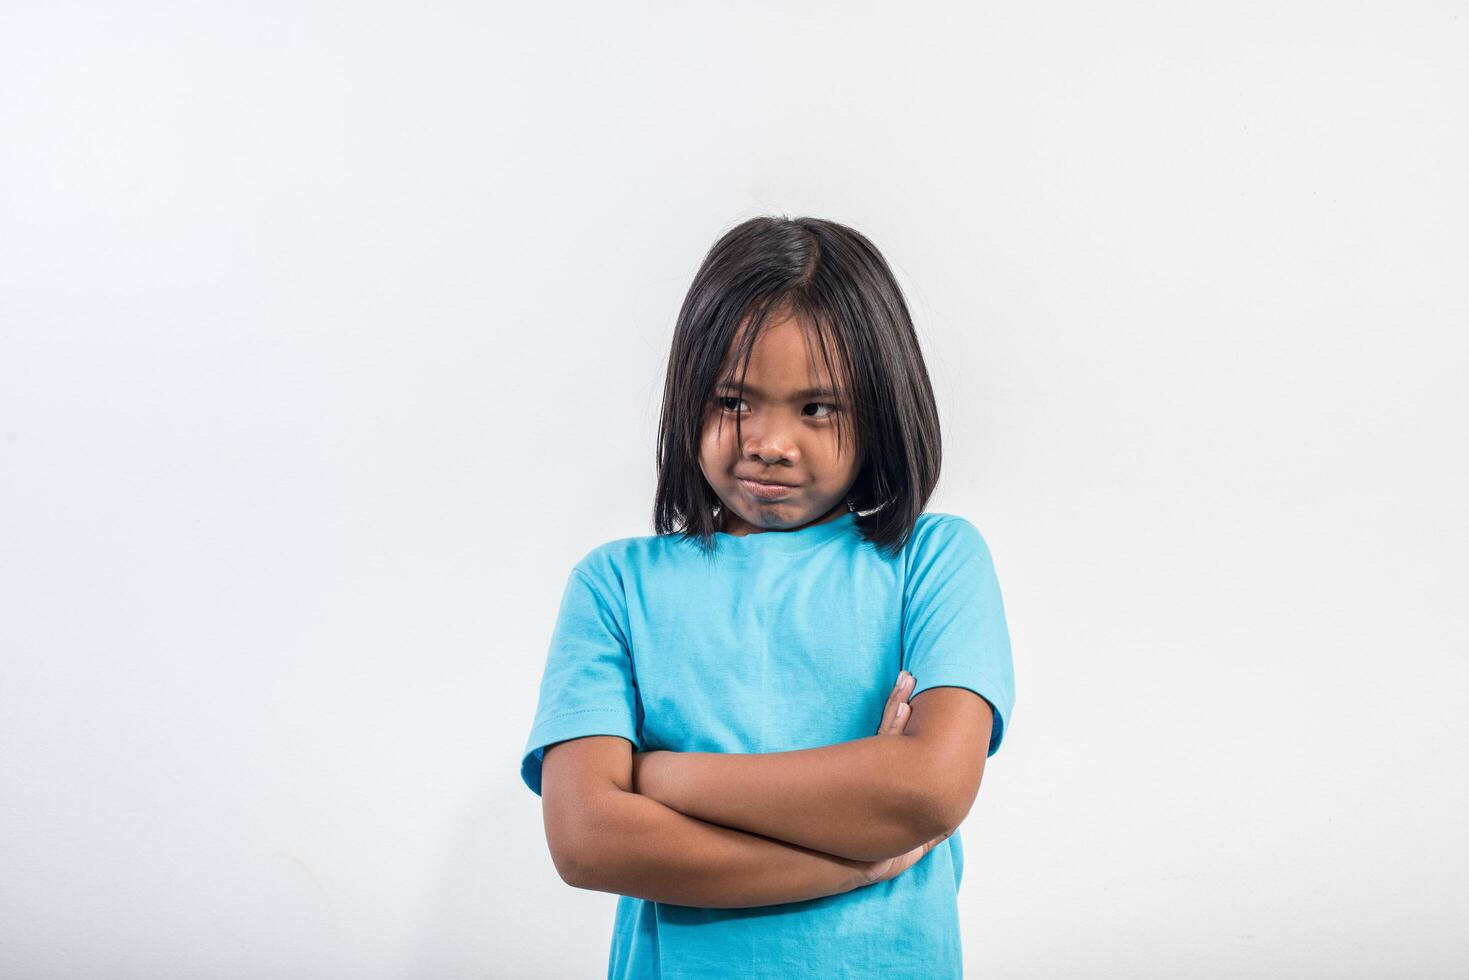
x=331, y=335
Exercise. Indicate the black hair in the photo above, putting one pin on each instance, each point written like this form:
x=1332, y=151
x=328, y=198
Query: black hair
x=830, y=277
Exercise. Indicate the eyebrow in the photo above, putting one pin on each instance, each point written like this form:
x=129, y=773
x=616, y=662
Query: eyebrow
x=804, y=393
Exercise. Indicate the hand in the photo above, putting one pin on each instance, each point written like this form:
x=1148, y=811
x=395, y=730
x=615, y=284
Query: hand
x=896, y=712
x=892, y=867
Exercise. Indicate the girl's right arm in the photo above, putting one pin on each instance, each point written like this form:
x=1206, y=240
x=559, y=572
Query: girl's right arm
x=604, y=837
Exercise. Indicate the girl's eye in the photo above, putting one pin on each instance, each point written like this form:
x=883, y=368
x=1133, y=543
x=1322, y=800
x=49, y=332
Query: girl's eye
x=730, y=403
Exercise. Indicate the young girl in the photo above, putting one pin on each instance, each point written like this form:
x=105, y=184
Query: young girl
x=762, y=725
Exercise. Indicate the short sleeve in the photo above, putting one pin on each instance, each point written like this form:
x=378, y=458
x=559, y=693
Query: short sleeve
x=587, y=687
x=954, y=631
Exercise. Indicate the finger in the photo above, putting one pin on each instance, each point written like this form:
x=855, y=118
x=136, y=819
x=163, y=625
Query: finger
x=934, y=843
x=903, y=710
x=890, y=708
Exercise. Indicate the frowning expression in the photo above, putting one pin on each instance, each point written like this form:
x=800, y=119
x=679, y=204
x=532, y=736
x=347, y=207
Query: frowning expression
x=784, y=470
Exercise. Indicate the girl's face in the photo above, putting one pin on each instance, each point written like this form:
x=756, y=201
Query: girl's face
x=788, y=418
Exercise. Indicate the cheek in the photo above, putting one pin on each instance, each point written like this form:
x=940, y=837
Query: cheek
x=714, y=446
x=717, y=434
x=843, y=466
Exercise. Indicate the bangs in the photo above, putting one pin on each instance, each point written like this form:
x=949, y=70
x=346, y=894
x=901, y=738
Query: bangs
x=827, y=342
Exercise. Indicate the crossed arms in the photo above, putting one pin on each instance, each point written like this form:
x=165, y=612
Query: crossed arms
x=721, y=830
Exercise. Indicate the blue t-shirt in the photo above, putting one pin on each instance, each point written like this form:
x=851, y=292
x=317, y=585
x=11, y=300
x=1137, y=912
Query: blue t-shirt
x=778, y=640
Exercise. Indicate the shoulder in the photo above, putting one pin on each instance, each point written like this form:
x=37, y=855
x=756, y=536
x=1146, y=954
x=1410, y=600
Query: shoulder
x=945, y=551
x=609, y=566
x=936, y=532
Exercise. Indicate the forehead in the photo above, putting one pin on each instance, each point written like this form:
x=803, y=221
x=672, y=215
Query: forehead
x=785, y=360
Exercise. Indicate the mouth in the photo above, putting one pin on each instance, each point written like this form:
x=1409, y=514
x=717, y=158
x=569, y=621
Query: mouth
x=765, y=491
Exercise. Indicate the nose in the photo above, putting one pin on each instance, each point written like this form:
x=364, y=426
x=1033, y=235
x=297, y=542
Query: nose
x=769, y=442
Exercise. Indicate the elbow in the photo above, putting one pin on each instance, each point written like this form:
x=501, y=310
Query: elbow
x=571, y=866
x=573, y=839
x=944, y=816
x=931, y=811
x=945, y=802
x=586, y=868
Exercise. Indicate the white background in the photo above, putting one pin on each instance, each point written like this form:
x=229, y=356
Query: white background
x=331, y=335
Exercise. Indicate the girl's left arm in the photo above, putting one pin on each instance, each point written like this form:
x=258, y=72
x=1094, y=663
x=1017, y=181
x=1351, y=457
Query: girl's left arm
x=867, y=800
